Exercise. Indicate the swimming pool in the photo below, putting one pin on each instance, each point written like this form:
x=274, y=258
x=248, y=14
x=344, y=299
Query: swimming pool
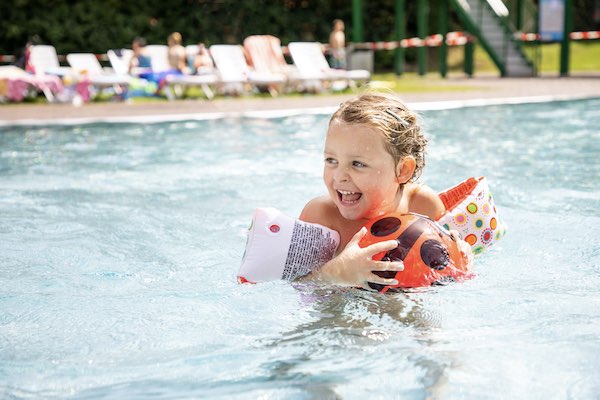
x=120, y=244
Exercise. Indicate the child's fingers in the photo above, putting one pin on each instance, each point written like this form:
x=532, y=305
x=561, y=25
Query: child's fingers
x=387, y=266
x=393, y=266
x=388, y=282
x=380, y=247
x=380, y=281
x=366, y=286
x=357, y=237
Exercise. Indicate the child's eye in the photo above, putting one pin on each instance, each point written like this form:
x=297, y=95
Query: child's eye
x=358, y=164
x=330, y=160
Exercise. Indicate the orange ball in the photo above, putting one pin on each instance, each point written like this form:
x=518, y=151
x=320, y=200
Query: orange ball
x=429, y=253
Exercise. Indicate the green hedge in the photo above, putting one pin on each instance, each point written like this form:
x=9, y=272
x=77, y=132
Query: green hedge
x=96, y=26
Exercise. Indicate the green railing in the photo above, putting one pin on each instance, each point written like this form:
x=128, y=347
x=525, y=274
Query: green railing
x=474, y=24
x=524, y=17
x=509, y=35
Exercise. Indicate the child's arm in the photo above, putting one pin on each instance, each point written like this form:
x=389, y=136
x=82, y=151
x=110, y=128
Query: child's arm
x=423, y=200
x=354, y=266
x=427, y=202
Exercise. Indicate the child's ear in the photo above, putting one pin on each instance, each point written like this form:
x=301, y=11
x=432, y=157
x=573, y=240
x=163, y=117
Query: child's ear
x=405, y=169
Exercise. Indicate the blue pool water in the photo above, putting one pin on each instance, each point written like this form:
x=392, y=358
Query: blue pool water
x=120, y=244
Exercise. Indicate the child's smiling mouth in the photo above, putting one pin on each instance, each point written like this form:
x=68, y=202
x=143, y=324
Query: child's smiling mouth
x=347, y=197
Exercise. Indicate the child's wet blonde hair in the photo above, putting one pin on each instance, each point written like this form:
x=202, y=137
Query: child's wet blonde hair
x=398, y=125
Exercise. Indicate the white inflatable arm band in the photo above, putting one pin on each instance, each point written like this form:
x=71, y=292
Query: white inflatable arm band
x=281, y=247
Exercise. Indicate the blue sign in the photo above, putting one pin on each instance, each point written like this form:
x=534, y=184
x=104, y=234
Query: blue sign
x=552, y=20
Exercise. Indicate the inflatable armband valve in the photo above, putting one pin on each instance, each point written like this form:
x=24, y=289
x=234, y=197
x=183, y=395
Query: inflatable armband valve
x=429, y=253
x=281, y=247
x=472, y=212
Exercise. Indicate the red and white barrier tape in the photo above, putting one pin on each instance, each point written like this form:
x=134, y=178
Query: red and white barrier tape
x=591, y=35
x=532, y=37
x=452, y=39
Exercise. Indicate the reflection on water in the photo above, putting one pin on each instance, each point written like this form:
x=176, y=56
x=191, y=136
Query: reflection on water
x=354, y=331
x=119, y=246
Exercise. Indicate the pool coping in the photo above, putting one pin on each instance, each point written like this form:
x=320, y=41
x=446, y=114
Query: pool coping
x=286, y=112
x=436, y=94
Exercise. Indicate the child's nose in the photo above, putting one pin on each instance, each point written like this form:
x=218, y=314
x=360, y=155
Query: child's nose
x=341, y=175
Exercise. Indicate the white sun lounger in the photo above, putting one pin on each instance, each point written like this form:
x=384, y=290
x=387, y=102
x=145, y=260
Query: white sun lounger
x=312, y=64
x=236, y=73
x=87, y=66
x=24, y=84
x=120, y=63
x=177, y=83
x=266, y=56
x=44, y=60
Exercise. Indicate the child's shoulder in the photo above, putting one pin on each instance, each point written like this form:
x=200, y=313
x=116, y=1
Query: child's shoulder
x=424, y=200
x=320, y=210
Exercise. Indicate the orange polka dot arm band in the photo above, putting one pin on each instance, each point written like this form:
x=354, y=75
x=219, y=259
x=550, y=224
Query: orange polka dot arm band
x=471, y=211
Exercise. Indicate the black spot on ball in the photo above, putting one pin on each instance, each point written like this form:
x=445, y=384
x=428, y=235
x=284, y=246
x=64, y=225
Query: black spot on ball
x=385, y=226
x=434, y=254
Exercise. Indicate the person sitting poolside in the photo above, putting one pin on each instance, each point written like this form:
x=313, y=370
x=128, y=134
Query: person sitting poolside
x=177, y=56
x=203, y=62
x=140, y=61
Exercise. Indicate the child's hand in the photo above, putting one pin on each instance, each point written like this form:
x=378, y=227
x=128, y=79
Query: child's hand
x=464, y=247
x=354, y=266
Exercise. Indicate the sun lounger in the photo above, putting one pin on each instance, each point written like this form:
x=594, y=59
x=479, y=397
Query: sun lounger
x=87, y=67
x=267, y=57
x=176, y=82
x=312, y=64
x=159, y=57
x=120, y=62
x=236, y=73
x=44, y=60
x=16, y=84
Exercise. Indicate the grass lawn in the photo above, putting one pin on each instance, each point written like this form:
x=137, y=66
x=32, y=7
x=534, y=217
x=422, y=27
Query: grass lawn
x=411, y=82
x=584, y=57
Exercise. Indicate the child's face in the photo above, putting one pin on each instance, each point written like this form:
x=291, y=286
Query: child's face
x=359, y=173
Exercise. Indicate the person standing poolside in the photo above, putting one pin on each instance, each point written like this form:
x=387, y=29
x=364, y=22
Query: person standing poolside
x=374, y=152
x=337, y=45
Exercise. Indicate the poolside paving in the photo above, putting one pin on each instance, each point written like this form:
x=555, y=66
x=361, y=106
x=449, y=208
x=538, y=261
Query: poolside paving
x=475, y=89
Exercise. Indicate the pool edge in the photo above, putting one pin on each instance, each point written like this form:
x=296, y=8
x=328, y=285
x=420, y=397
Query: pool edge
x=280, y=113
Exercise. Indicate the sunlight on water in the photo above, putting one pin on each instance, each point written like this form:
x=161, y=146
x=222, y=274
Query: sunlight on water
x=120, y=244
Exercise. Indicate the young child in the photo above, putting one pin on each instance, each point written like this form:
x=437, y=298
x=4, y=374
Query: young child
x=374, y=151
